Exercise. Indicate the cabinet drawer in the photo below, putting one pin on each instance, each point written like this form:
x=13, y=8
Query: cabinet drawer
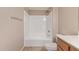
x=62, y=45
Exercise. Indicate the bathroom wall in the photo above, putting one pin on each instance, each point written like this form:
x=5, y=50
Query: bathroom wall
x=26, y=25
x=78, y=21
x=55, y=22
x=11, y=28
x=68, y=20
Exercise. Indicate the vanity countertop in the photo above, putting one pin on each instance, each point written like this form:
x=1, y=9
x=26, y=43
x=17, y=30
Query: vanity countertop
x=72, y=40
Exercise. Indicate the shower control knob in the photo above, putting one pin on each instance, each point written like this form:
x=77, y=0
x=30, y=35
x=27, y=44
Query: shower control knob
x=48, y=31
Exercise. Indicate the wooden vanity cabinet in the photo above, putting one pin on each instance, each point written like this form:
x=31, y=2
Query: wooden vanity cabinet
x=59, y=49
x=63, y=46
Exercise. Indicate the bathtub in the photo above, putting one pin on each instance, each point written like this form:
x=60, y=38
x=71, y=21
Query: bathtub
x=36, y=42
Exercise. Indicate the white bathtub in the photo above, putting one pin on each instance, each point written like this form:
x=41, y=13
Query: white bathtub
x=28, y=42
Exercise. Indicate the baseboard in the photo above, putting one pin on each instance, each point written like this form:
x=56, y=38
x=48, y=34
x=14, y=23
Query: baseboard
x=22, y=48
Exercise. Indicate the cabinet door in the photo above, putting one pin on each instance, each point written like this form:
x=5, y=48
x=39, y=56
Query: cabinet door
x=63, y=45
x=59, y=49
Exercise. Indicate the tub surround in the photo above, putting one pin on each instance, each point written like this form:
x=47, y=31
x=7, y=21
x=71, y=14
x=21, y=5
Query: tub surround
x=68, y=42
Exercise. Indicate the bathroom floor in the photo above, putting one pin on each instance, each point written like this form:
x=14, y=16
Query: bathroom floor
x=34, y=49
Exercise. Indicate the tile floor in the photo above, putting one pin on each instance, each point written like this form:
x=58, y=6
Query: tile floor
x=34, y=49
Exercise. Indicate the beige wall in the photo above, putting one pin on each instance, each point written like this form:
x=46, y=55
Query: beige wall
x=68, y=20
x=78, y=21
x=11, y=30
x=55, y=22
